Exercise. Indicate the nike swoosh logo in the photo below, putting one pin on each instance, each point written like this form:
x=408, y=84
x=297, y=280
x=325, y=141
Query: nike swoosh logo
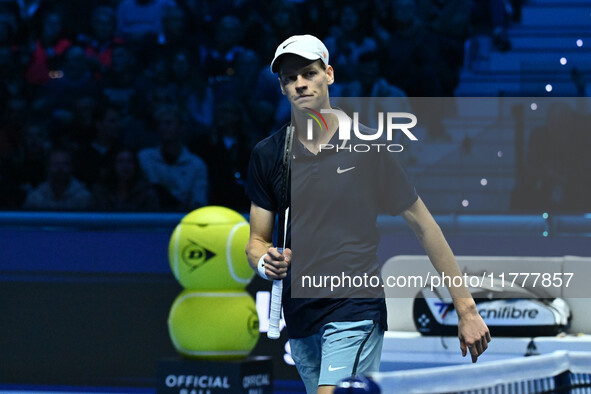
x=331, y=369
x=339, y=171
x=288, y=44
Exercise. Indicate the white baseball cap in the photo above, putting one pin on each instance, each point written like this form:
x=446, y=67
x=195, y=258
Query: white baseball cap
x=306, y=46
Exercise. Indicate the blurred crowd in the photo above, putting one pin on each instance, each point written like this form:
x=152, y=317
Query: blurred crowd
x=557, y=166
x=154, y=105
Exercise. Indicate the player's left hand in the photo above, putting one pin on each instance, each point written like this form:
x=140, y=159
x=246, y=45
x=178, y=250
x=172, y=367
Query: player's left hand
x=474, y=335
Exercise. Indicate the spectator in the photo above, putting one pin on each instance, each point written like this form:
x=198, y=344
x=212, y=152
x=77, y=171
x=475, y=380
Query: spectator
x=252, y=15
x=202, y=22
x=24, y=169
x=99, y=45
x=382, y=19
x=122, y=84
x=580, y=81
x=516, y=6
x=227, y=151
x=12, y=121
x=495, y=15
x=157, y=72
x=22, y=15
x=228, y=40
x=61, y=191
x=256, y=91
x=9, y=192
x=47, y=51
x=12, y=81
x=413, y=65
x=368, y=83
x=557, y=165
x=347, y=42
x=140, y=20
x=31, y=161
x=71, y=125
x=179, y=176
x=29, y=11
x=189, y=85
x=253, y=85
x=284, y=19
x=175, y=34
x=7, y=31
x=449, y=24
x=75, y=82
x=124, y=188
x=320, y=17
x=500, y=18
x=81, y=131
x=157, y=77
x=90, y=161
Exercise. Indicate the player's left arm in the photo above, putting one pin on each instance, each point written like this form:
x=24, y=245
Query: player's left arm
x=472, y=331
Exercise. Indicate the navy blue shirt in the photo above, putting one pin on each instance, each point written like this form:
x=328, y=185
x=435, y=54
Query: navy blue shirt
x=336, y=198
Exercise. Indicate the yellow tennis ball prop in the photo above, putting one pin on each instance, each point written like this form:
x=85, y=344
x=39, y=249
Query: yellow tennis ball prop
x=206, y=250
x=213, y=325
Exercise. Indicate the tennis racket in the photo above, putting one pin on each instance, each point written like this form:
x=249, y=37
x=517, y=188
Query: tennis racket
x=275, y=314
x=277, y=290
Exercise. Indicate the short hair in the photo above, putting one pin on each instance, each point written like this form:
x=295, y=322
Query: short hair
x=322, y=64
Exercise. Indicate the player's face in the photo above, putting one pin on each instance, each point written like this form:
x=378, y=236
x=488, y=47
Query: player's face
x=305, y=83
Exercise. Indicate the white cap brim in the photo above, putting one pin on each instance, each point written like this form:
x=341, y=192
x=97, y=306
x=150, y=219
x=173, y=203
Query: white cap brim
x=306, y=46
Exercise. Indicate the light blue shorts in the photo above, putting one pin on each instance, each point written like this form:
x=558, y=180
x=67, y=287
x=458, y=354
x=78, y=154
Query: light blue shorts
x=340, y=350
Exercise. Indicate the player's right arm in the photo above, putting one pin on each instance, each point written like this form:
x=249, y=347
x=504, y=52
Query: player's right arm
x=260, y=244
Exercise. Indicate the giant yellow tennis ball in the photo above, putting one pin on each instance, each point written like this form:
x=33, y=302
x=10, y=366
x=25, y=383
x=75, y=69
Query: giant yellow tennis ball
x=206, y=250
x=213, y=325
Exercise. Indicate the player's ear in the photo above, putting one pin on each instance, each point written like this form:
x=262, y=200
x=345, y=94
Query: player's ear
x=281, y=84
x=330, y=74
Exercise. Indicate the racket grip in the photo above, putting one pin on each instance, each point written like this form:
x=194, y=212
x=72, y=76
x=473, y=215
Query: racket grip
x=275, y=313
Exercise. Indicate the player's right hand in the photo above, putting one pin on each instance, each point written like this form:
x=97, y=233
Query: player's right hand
x=276, y=263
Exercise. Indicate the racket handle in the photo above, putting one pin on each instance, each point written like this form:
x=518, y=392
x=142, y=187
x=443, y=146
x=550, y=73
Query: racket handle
x=275, y=314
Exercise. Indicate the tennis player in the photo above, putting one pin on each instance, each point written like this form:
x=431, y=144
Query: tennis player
x=335, y=338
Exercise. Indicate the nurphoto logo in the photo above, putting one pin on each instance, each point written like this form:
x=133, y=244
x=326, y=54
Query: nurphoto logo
x=392, y=119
